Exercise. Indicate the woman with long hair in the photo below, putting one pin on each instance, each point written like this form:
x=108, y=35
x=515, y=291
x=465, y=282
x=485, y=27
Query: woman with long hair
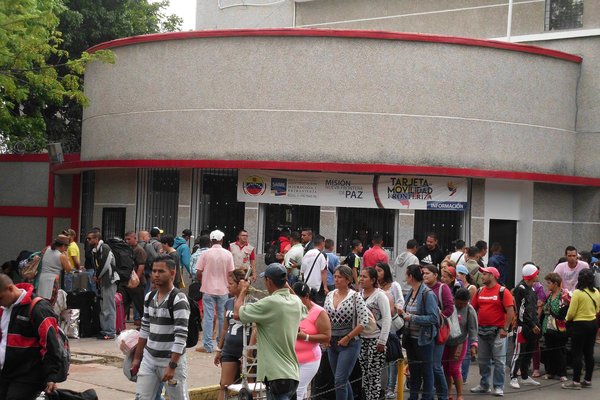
x=582, y=316
x=421, y=314
x=315, y=329
x=446, y=304
x=230, y=347
x=462, y=274
x=349, y=316
x=554, y=328
x=372, y=350
x=394, y=291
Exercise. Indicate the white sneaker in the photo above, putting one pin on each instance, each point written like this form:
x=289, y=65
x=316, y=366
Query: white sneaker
x=499, y=392
x=480, y=389
x=514, y=383
x=529, y=381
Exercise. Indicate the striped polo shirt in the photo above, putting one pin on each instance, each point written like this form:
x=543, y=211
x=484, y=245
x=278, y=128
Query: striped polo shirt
x=165, y=335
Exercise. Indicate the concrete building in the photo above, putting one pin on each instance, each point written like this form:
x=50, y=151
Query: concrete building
x=333, y=119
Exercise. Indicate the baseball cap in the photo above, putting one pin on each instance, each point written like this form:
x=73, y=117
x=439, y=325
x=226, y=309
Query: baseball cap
x=490, y=270
x=461, y=269
x=217, y=235
x=275, y=272
x=186, y=232
x=155, y=231
x=529, y=272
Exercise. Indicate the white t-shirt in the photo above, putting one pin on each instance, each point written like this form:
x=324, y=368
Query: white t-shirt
x=314, y=280
x=570, y=276
x=459, y=257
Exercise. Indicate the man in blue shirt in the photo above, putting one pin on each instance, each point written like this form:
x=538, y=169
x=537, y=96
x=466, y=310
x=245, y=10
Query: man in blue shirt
x=333, y=261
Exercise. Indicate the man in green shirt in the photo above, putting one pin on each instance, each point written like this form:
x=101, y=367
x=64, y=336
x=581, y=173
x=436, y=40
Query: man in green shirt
x=277, y=319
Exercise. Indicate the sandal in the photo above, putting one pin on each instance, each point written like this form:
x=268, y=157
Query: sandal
x=548, y=376
x=105, y=337
x=536, y=374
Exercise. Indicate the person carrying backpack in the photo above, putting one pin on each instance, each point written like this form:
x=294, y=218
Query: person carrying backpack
x=32, y=358
x=163, y=337
x=495, y=312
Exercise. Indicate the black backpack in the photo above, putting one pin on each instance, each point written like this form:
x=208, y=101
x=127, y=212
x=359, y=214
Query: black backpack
x=124, y=258
x=271, y=253
x=195, y=320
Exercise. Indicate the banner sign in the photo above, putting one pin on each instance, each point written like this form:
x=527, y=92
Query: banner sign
x=349, y=190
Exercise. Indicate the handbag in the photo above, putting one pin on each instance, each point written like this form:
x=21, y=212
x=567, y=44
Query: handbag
x=443, y=332
x=30, y=270
x=397, y=323
x=134, y=281
x=449, y=327
x=393, y=348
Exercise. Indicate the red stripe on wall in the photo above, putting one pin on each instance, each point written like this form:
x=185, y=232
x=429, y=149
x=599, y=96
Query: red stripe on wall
x=77, y=166
x=340, y=33
x=15, y=340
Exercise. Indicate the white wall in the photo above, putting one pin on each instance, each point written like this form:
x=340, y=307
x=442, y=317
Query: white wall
x=511, y=200
x=237, y=14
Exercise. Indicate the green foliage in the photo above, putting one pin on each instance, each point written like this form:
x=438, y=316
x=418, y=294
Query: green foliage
x=43, y=58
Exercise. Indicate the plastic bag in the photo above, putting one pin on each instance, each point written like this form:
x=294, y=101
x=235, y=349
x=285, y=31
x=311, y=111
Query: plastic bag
x=127, y=340
x=70, y=323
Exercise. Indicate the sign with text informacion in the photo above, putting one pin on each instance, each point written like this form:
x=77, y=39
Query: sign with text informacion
x=349, y=190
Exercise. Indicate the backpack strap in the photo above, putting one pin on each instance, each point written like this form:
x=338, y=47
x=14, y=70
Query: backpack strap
x=33, y=303
x=171, y=300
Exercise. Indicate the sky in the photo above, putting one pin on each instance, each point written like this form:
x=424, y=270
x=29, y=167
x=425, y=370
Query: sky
x=186, y=9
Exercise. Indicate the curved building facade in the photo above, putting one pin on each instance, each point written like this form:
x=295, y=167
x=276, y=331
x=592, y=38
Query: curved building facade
x=274, y=128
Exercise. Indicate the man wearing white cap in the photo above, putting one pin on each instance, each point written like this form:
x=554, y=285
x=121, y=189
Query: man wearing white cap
x=528, y=327
x=213, y=268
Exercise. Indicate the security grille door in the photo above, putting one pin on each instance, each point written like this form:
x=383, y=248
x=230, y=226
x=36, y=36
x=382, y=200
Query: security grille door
x=362, y=223
x=447, y=224
x=113, y=222
x=291, y=216
x=162, y=200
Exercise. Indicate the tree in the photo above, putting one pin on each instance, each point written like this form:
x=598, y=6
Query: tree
x=85, y=23
x=42, y=60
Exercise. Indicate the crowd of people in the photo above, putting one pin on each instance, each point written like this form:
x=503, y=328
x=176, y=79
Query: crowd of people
x=324, y=318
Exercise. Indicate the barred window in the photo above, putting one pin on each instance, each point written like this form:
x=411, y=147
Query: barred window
x=564, y=14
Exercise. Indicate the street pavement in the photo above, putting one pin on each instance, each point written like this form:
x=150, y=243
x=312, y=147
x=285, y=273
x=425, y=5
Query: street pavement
x=110, y=383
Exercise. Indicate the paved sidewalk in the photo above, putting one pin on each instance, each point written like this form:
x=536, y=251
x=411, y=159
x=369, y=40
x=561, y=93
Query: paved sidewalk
x=110, y=383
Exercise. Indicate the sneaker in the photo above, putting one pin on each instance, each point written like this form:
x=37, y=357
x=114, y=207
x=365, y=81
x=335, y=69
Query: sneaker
x=571, y=385
x=564, y=379
x=480, y=389
x=498, y=392
x=389, y=394
x=586, y=384
x=514, y=383
x=529, y=381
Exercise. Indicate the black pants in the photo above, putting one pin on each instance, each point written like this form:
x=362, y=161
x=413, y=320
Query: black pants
x=583, y=335
x=10, y=390
x=523, y=354
x=555, y=354
x=135, y=296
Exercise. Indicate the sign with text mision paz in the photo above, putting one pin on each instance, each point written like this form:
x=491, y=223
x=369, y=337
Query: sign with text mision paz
x=417, y=192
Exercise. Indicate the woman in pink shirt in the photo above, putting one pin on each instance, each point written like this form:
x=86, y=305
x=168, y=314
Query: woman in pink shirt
x=315, y=329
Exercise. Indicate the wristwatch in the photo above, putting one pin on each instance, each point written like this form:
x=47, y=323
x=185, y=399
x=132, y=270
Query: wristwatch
x=172, y=365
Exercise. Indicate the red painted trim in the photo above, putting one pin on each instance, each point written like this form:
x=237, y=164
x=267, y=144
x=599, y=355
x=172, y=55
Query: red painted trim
x=77, y=166
x=339, y=33
x=38, y=157
x=16, y=340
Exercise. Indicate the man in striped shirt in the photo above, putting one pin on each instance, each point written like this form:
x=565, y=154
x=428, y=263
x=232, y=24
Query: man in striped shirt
x=163, y=337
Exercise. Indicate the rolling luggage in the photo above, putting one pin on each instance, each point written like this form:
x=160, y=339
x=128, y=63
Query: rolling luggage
x=120, y=313
x=89, y=312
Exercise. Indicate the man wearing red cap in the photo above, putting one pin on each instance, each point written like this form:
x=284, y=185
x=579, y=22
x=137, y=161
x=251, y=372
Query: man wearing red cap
x=495, y=312
x=528, y=327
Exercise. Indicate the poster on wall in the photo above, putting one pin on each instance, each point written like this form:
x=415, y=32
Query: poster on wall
x=351, y=190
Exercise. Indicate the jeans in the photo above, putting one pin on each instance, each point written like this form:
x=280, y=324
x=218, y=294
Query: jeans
x=420, y=359
x=282, y=389
x=441, y=386
x=392, y=376
x=108, y=313
x=342, y=360
x=307, y=371
x=466, y=364
x=492, y=350
x=209, y=301
x=149, y=380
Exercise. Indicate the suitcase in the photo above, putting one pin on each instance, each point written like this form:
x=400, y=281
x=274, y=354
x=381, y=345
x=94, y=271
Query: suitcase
x=89, y=312
x=75, y=281
x=120, y=313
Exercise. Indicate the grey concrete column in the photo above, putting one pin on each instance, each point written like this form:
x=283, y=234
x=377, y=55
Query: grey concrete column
x=251, y=223
x=404, y=231
x=328, y=223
